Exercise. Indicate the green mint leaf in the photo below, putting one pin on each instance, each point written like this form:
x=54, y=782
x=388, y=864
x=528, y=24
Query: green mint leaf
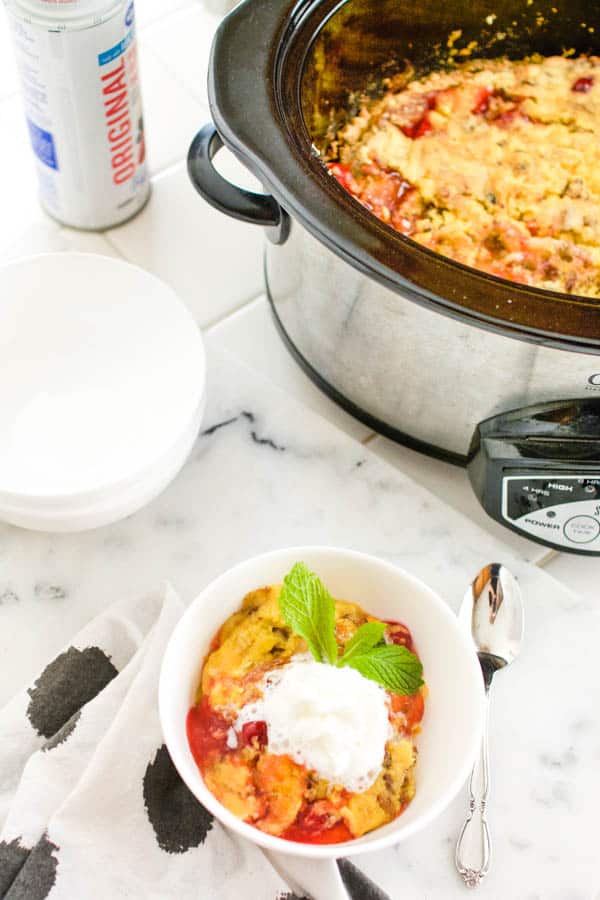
x=364, y=639
x=392, y=666
x=307, y=606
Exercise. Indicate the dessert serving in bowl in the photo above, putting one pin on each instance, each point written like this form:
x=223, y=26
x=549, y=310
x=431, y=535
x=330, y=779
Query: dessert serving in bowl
x=321, y=733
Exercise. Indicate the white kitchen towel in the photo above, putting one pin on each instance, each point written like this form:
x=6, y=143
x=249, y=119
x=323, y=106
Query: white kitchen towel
x=91, y=806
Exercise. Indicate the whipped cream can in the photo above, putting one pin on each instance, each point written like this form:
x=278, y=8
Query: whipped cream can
x=80, y=82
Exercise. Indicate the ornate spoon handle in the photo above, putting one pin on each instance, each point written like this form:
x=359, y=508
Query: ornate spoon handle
x=474, y=876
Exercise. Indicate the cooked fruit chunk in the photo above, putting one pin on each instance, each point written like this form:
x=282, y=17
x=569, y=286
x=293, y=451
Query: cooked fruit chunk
x=281, y=783
x=386, y=796
x=230, y=780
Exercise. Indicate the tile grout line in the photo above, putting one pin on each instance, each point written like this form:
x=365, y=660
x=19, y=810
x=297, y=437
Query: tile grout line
x=229, y=315
x=113, y=246
x=168, y=170
x=170, y=69
x=162, y=17
x=209, y=326
x=157, y=176
x=148, y=48
x=546, y=558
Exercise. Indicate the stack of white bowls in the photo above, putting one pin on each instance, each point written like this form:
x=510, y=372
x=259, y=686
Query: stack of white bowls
x=102, y=386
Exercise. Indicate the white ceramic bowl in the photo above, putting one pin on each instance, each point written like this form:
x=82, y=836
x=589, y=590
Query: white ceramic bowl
x=102, y=391
x=454, y=709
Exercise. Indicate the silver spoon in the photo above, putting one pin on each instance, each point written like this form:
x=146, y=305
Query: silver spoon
x=493, y=612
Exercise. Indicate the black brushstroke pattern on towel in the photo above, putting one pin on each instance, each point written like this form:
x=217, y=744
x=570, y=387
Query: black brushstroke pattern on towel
x=357, y=884
x=67, y=683
x=180, y=822
x=27, y=874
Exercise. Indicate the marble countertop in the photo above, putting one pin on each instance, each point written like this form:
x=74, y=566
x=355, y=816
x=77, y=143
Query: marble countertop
x=279, y=464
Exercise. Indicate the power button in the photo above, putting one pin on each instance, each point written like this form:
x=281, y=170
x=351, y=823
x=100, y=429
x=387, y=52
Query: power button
x=581, y=529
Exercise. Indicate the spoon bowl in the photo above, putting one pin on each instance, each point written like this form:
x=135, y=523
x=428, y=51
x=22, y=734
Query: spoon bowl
x=492, y=611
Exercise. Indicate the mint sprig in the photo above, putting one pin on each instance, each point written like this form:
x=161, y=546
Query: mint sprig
x=308, y=608
x=395, y=667
x=364, y=639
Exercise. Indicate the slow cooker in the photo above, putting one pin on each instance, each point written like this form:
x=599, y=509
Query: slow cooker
x=477, y=370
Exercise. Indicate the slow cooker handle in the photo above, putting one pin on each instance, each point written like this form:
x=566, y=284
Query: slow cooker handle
x=258, y=209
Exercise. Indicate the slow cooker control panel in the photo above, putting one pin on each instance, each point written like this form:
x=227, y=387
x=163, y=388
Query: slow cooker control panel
x=536, y=470
x=564, y=510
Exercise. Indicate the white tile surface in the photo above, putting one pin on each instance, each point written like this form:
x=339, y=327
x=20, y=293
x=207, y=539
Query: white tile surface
x=183, y=42
x=150, y=11
x=234, y=171
x=251, y=336
x=580, y=574
x=452, y=485
x=172, y=115
x=47, y=237
x=212, y=261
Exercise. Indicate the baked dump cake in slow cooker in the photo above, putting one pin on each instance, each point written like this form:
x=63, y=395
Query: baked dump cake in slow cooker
x=493, y=163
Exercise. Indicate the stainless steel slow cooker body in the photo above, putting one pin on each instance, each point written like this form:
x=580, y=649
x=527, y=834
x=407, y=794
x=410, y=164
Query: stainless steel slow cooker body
x=422, y=378
x=416, y=345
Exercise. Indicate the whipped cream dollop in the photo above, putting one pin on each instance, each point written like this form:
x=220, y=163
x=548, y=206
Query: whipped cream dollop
x=328, y=719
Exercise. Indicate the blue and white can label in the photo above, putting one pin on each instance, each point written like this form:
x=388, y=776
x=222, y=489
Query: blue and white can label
x=83, y=106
